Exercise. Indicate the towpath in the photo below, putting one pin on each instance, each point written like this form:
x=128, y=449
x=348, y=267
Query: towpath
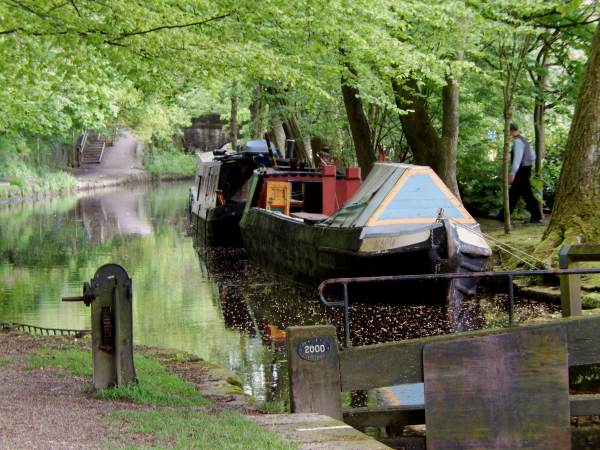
x=121, y=163
x=45, y=409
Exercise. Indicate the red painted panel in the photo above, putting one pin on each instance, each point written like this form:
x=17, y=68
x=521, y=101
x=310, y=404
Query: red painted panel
x=329, y=190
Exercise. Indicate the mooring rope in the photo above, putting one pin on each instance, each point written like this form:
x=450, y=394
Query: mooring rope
x=513, y=251
x=34, y=329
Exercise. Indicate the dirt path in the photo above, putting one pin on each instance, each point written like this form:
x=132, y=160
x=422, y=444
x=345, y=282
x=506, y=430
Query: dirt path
x=44, y=409
x=120, y=164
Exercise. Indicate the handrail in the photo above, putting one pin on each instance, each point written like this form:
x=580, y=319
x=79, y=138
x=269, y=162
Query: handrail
x=81, y=146
x=102, y=151
x=343, y=303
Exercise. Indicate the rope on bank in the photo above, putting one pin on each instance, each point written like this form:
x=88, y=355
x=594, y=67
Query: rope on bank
x=513, y=251
x=34, y=329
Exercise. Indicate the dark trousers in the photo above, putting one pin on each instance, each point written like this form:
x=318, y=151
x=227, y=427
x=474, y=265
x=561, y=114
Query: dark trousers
x=521, y=187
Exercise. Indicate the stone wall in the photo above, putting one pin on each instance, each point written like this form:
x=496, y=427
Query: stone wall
x=206, y=133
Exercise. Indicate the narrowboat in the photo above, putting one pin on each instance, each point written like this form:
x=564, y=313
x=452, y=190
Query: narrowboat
x=401, y=220
x=219, y=193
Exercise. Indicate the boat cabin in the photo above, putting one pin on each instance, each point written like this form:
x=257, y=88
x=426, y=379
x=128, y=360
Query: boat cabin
x=222, y=176
x=310, y=195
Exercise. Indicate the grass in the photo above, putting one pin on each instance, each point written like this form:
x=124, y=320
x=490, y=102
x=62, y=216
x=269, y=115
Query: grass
x=156, y=385
x=522, y=237
x=72, y=361
x=26, y=179
x=176, y=418
x=279, y=407
x=5, y=360
x=190, y=429
x=170, y=164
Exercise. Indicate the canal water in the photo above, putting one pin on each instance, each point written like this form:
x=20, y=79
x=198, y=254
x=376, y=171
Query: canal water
x=210, y=302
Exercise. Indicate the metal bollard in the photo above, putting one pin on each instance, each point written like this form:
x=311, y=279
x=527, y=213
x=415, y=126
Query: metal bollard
x=110, y=295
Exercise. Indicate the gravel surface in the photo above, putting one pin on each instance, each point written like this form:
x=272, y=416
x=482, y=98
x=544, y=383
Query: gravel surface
x=45, y=409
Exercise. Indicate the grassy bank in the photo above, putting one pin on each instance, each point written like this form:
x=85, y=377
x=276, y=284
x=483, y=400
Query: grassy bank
x=33, y=166
x=173, y=413
x=19, y=180
x=515, y=251
x=167, y=164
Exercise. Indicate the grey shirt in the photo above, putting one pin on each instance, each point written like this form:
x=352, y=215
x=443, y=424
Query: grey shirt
x=522, y=154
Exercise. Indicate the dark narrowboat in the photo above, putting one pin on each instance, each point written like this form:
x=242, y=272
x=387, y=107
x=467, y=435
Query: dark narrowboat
x=401, y=220
x=220, y=190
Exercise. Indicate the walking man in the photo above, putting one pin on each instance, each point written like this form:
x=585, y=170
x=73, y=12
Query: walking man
x=522, y=160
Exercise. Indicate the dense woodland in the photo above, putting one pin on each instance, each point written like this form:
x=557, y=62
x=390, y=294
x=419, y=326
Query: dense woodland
x=423, y=81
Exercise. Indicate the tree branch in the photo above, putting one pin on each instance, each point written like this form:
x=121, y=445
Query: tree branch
x=75, y=7
x=169, y=27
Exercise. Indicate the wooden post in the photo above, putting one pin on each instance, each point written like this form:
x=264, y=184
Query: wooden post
x=570, y=285
x=314, y=372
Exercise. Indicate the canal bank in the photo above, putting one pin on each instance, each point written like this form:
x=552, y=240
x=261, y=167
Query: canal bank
x=181, y=400
x=45, y=399
x=122, y=164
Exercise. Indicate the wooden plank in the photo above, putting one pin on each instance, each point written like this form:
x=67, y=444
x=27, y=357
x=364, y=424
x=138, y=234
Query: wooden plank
x=580, y=405
x=585, y=405
x=398, y=416
x=581, y=253
x=505, y=391
x=396, y=363
x=313, y=368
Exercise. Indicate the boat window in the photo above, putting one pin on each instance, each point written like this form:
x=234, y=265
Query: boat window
x=199, y=184
x=313, y=198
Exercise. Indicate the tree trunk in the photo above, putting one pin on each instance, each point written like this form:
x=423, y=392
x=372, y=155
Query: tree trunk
x=308, y=149
x=255, y=114
x=279, y=134
x=292, y=130
x=359, y=126
x=575, y=217
x=428, y=148
x=233, y=124
x=316, y=144
x=506, y=166
x=539, y=116
x=450, y=128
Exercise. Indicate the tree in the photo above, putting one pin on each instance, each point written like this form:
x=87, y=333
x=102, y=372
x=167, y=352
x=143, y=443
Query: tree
x=428, y=147
x=357, y=119
x=436, y=36
x=512, y=50
x=575, y=214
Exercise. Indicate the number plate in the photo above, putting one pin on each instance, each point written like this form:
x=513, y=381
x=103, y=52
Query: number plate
x=314, y=349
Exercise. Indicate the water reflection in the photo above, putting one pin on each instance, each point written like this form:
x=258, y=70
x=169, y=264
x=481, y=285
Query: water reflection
x=262, y=305
x=114, y=212
x=211, y=302
x=48, y=250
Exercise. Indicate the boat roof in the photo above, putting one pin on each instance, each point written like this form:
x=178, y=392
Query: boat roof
x=396, y=197
x=258, y=146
